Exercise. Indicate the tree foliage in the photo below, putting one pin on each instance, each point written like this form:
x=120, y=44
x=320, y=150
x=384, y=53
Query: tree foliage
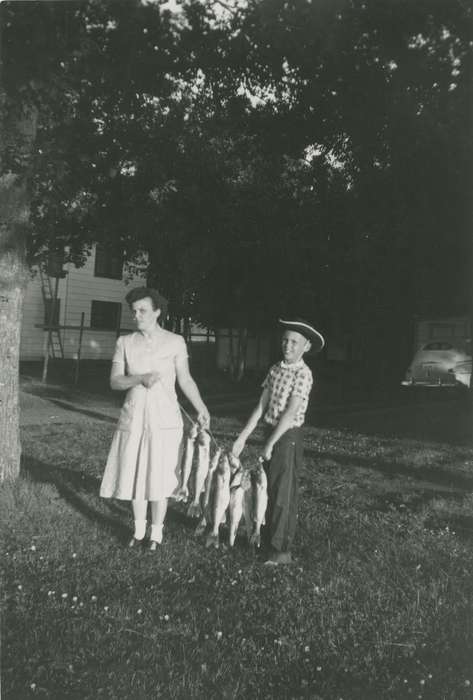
x=267, y=157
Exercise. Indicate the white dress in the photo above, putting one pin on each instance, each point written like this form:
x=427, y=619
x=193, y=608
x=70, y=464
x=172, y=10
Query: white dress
x=145, y=454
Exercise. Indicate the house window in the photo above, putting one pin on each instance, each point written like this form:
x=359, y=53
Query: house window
x=54, y=319
x=108, y=262
x=447, y=330
x=105, y=315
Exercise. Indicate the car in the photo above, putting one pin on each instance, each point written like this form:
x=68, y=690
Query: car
x=439, y=364
x=462, y=372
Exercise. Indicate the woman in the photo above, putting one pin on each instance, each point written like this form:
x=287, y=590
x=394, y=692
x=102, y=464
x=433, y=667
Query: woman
x=144, y=457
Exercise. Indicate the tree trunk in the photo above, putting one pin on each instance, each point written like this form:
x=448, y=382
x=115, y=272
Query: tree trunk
x=470, y=346
x=18, y=135
x=12, y=275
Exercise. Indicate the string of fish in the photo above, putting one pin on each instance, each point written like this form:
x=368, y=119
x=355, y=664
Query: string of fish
x=221, y=486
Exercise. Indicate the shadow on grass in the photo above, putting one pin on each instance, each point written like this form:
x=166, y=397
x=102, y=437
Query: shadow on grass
x=97, y=415
x=81, y=491
x=433, y=475
x=447, y=421
x=66, y=402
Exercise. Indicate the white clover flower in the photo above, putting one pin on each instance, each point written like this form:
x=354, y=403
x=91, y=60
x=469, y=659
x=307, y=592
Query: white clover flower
x=63, y=595
x=33, y=686
x=74, y=555
x=166, y=617
x=307, y=649
x=93, y=599
x=319, y=668
x=139, y=611
x=74, y=599
x=33, y=548
x=106, y=608
x=219, y=634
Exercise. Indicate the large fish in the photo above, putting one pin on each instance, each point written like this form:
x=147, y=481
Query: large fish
x=255, y=504
x=205, y=499
x=201, y=471
x=183, y=492
x=235, y=463
x=238, y=486
x=221, y=499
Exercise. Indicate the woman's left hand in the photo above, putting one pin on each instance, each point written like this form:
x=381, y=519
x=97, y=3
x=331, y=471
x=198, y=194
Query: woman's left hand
x=267, y=452
x=203, y=418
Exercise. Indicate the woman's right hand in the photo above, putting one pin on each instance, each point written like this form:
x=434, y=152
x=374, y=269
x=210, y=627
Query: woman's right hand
x=148, y=380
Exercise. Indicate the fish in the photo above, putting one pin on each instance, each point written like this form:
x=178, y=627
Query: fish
x=201, y=471
x=207, y=493
x=237, y=494
x=220, y=500
x=255, y=505
x=183, y=492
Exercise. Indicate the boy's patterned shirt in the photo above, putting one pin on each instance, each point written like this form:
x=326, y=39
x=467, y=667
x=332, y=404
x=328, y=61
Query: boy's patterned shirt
x=283, y=381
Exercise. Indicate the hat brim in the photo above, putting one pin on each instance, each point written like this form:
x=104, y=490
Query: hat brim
x=316, y=339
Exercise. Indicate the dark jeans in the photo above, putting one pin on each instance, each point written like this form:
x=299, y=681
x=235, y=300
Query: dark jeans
x=282, y=472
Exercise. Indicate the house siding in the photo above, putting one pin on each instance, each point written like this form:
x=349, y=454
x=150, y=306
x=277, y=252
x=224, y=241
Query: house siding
x=454, y=329
x=76, y=292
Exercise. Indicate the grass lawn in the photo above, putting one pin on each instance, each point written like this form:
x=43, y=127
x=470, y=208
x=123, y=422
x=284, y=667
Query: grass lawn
x=378, y=604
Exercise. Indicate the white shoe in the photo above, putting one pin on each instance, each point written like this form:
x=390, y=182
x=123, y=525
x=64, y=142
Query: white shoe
x=156, y=537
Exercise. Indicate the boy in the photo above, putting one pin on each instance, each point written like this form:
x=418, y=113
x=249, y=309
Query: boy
x=283, y=404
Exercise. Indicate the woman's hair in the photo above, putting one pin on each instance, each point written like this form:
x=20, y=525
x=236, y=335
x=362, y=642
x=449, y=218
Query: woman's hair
x=158, y=301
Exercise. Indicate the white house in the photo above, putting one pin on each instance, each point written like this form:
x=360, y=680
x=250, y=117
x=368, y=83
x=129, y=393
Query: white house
x=97, y=290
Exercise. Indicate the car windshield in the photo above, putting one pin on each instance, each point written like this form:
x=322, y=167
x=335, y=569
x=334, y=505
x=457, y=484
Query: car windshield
x=438, y=346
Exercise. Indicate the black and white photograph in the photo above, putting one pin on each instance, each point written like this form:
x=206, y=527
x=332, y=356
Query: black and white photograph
x=236, y=309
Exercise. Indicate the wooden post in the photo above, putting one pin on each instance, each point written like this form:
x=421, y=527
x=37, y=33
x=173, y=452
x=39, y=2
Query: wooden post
x=79, y=349
x=47, y=339
x=119, y=322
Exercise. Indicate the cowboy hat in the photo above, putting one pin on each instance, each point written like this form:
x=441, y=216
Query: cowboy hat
x=305, y=329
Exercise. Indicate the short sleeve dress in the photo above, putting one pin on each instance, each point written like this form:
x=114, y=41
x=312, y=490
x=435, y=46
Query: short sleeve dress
x=145, y=454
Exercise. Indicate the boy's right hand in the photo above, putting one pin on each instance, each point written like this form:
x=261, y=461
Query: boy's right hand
x=238, y=446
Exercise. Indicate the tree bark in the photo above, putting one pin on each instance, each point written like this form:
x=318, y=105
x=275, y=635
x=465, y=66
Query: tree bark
x=14, y=215
x=11, y=298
